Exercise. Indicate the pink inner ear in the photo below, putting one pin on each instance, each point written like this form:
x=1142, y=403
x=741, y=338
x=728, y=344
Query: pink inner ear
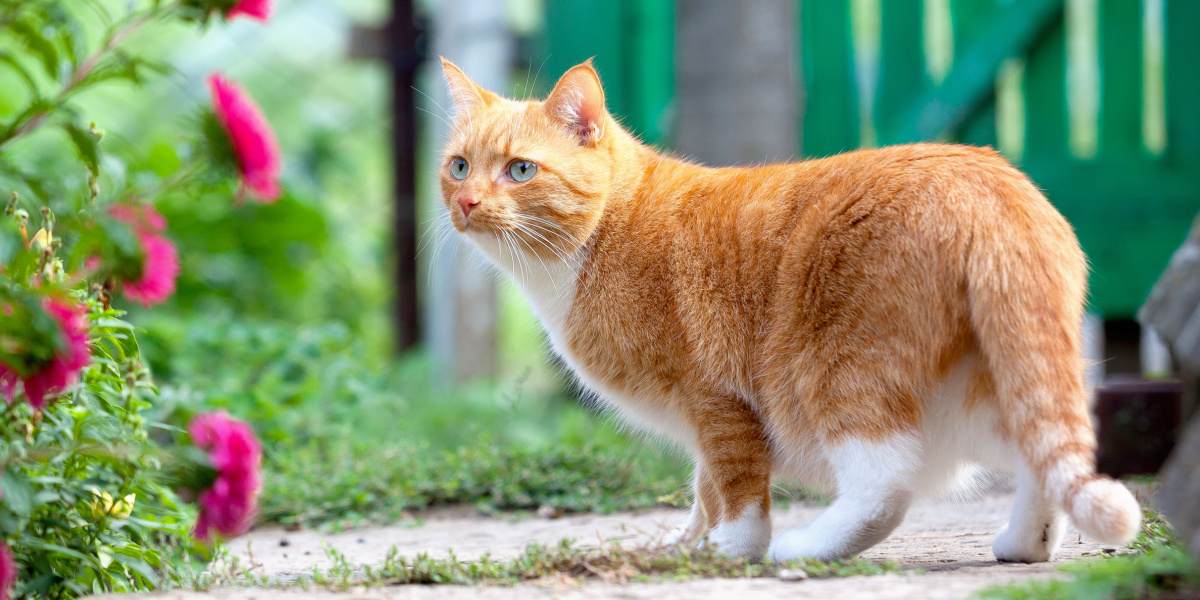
x=578, y=101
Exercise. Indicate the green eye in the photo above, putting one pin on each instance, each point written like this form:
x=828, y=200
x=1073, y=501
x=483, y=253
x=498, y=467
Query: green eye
x=459, y=168
x=521, y=170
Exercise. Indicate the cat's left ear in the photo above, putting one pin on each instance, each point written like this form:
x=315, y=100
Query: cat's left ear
x=466, y=94
x=578, y=103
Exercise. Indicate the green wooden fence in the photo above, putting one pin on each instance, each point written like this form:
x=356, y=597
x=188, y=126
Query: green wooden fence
x=1095, y=99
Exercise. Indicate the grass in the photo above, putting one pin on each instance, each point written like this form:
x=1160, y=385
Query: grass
x=566, y=561
x=1158, y=567
x=337, y=482
x=348, y=442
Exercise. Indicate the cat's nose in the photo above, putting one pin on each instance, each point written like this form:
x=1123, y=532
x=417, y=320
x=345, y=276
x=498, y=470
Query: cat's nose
x=467, y=204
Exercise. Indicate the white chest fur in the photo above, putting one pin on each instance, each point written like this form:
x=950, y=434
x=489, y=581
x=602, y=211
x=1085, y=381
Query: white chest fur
x=550, y=287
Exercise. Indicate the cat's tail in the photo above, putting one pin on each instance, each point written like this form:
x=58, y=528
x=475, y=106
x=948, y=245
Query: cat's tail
x=1026, y=281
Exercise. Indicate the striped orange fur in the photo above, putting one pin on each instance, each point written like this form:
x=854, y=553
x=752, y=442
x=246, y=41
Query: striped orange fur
x=871, y=321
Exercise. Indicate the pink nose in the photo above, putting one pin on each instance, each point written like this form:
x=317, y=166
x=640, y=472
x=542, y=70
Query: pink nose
x=467, y=204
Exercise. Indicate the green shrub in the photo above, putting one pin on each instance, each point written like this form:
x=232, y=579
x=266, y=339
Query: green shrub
x=85, y=464
x=83, y=509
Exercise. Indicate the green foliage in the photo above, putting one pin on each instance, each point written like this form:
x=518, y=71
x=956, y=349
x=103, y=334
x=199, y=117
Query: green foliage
x=84, y=499
x=256, y=259
x=82, y=508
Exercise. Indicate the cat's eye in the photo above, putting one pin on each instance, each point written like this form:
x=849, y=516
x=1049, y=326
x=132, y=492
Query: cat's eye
x=459, y=168
x=521, y=170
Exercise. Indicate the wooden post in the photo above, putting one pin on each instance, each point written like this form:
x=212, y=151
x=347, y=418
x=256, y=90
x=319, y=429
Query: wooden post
x=461, y=311
x=404, y=57
x=736, y=80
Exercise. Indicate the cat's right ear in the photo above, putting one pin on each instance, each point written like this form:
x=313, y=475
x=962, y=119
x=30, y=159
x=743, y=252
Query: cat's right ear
x=466, y=94
x=577, y=101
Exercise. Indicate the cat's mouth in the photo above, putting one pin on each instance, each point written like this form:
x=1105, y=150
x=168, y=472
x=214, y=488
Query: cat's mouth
x=477, y=224
x=473, y=225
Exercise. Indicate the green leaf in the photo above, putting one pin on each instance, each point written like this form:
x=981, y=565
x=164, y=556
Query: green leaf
x=70, y=33
x=12, y=61
x=38, y=44
x=132, y=559
x=18, y=494
x=88, y=146
x=56, y=549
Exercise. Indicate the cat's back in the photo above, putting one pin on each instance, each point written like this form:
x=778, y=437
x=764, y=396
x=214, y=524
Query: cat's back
x=912, y=176
x=944, y=183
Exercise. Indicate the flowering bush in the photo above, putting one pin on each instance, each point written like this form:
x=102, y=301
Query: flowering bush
x=88, y=476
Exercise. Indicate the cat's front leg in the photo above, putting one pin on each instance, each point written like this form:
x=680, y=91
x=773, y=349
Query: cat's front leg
x=734, y=476
x=706, y=508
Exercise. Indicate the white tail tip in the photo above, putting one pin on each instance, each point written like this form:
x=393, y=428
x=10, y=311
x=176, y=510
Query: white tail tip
x=1106, y=511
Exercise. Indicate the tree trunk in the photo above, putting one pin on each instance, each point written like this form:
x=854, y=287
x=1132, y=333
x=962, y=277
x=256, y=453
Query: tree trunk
x=737, y=90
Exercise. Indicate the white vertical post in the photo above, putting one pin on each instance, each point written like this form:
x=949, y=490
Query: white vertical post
x=1093, y=351
x=461, y=304
x=1155, y=355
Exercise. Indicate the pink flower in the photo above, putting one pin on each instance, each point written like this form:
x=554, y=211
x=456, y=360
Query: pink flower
x=8, y=571
x=253, y=141
x=255, y=9
x=230, y=505
x=161, y=265
x=61, y=371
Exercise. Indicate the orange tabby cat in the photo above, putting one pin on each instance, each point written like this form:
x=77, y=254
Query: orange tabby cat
x=876, y=322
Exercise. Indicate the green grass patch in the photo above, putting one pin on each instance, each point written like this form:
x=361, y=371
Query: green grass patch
x=337, y=483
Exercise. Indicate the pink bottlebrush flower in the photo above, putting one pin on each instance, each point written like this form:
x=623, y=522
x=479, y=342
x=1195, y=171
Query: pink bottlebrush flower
x=253, y=141
x=230, y=505
x=255, y=9
x=61, y=371
x=8, y=571
x=161, y=265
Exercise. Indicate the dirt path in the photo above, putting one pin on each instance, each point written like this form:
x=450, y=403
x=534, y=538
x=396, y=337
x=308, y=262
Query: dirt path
x=945, y=548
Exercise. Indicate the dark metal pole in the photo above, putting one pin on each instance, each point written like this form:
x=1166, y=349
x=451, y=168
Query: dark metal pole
x=406, y=53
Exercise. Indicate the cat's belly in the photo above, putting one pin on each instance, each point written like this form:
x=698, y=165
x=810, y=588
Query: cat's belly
x=649, y=415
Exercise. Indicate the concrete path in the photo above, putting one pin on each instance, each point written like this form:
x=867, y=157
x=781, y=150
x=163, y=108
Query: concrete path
x=945, y=548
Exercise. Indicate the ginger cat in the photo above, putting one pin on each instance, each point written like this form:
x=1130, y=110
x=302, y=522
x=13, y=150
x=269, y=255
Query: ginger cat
x=876, y=322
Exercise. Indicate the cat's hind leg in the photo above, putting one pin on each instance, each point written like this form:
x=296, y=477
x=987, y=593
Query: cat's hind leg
x=1035, y=528
x=874, y=489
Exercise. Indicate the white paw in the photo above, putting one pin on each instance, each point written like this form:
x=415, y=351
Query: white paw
x=687, y=536
x=746, y=537
x=798, y=543
x=1019, y=544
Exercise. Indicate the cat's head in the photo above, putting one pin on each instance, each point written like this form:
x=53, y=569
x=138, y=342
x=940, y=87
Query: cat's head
x=529, y=174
